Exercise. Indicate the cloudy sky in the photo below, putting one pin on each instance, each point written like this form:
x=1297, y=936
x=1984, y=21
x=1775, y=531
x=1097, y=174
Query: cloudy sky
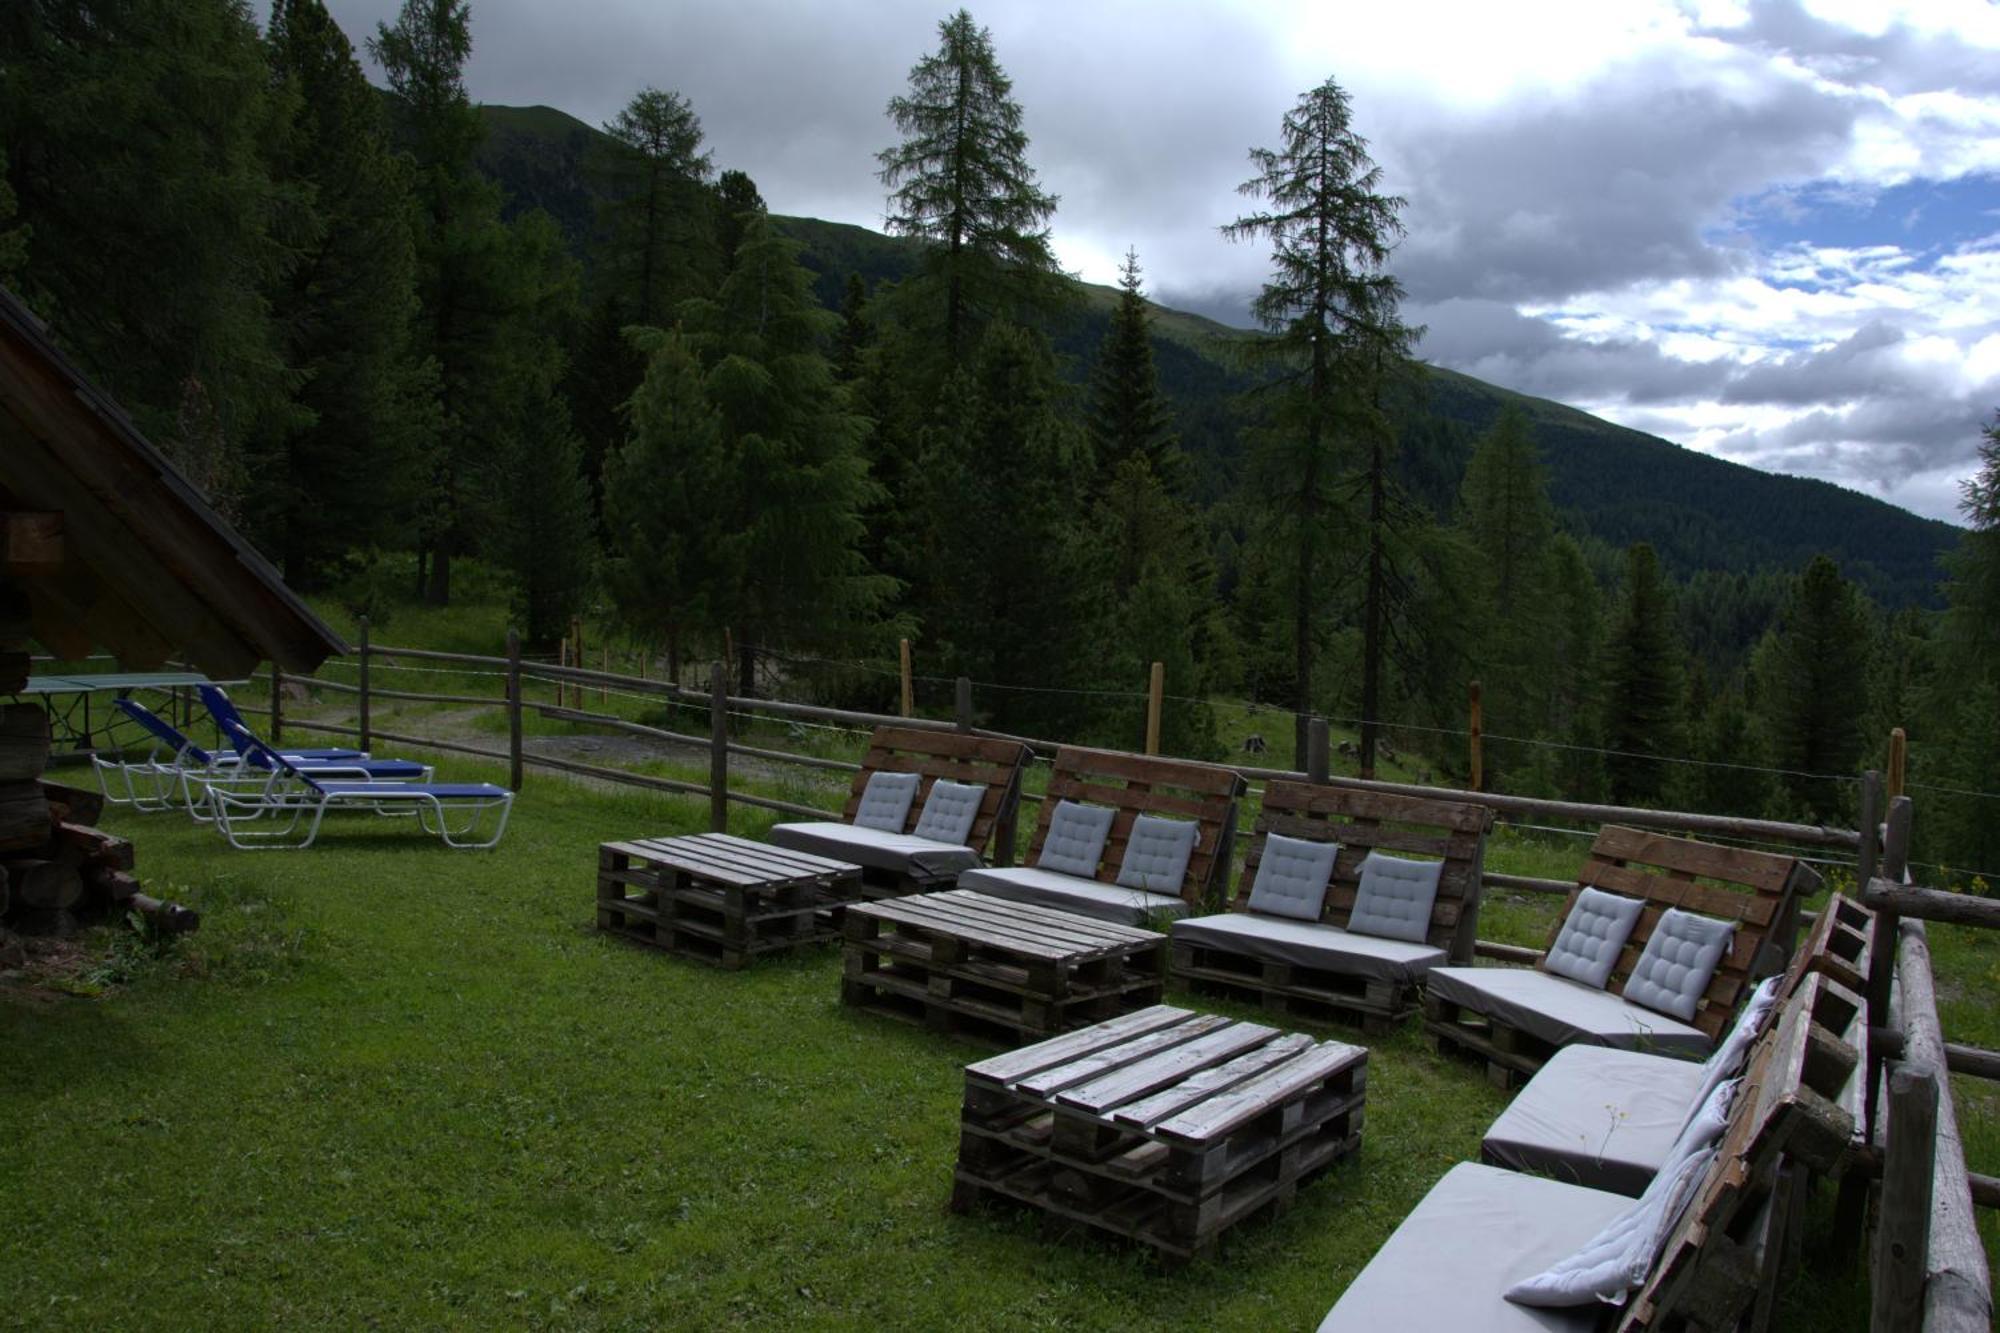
x=1766, y=229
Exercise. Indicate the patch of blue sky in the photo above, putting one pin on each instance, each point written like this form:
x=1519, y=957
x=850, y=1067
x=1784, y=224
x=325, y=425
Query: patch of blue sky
x=1924, y=220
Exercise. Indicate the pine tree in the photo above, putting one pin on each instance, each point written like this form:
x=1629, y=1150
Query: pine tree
x=546, y=540
x=800, y=470
x=853, y=340
x=736, y=201
x=1129, y=417
x=348, y=478
x=1962, y=726
x=1574, y=684
x=660, y=250
x=1813, y=689
x=462, y=280
x=663, y=529
x=1330, y=315
x=960, y=180
x=1732, y=780
x=137, y=134
x=1642, y=684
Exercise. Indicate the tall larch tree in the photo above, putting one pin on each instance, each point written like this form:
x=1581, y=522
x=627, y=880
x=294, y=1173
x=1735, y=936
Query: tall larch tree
x=1812, y=689
x=659, y=249
x=461, y=252
x=1964, y=708
x=1332, y=331
x=1643, y=673
x=960, y=181
x=347, y=477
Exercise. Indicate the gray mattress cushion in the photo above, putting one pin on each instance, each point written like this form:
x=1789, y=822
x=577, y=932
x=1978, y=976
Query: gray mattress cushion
x=1067, y=893
x=950, y=811
x=1478, y=1231
x=1292, y=877
x=1157, y=852
x=1679, y=958
x=885, y=801
x=1309, y=944
x=1394, y=897
x=1592, y=937
x=1595, y=1116
x=1564, y=1013
x=899, y=853
x=1075, y=839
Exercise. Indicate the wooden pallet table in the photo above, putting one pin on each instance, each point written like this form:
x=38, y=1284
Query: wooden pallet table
x=965, y=962
x=721, y=898
x=1162, y=1126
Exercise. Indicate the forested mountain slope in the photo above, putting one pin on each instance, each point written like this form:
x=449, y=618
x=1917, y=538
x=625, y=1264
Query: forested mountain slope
x=1610, y=483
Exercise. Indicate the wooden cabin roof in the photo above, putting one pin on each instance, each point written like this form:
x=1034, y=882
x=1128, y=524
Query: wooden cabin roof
x=115, y=550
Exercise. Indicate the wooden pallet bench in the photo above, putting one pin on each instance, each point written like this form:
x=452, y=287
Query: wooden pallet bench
x=1164, y=1127
x=1761, y=891
x=985, y=967
x=720, y=898
x=1361, y=822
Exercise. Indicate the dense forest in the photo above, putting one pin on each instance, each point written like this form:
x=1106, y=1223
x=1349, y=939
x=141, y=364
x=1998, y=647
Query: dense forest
x=388, y=330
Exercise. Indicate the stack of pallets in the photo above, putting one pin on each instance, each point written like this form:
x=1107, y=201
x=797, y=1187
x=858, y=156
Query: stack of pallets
x=717, y=897
x=1164, y=1127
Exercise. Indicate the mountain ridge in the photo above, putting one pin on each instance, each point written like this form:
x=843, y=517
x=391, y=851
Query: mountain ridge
x=1608, y=482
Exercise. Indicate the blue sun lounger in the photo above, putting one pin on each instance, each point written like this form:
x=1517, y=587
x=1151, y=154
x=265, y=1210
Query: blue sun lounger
x=270, y=816
x=226, y=714
x=161, y=783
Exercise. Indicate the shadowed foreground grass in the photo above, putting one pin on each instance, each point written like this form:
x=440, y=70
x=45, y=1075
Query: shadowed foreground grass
x=392, y=1085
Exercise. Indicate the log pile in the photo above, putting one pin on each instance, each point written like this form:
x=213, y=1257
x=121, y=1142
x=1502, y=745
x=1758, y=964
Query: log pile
x=58, y=870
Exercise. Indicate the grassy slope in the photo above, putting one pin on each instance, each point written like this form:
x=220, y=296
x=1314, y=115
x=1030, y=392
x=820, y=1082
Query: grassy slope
x=390, y=1085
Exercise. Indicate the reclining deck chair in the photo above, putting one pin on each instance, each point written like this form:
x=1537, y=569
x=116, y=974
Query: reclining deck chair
x=226, y=714
x=1124, y=838
x=924, y=806
x=1698, y=1249
x=1366, y=923
x=165, y=777
x=1659, y=942
x=270, y=814
x=1606, y=1118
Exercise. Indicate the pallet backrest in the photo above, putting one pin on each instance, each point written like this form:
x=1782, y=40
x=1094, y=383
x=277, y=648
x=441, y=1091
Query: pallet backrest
x=1365, y=821
x=1764, y=894
x=1836, y=947
x=1135, y=785
x=1783, y=1115
x=956, y=756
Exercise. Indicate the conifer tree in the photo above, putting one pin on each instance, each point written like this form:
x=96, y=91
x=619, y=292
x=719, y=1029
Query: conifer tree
x=659, y=252
x=1642, y=684
x=960, y=180
x=800, y=475
x=1732, y=779
x=1812, y=690
x=1574, y=685
x=348, y=477
x=547, y=540
x=137, y=134
x=1129, y=417
x=853, y=338
x=462, y=279
x=1332, y=329
x=663, y=528
x=736, y=200
x=1963, y=713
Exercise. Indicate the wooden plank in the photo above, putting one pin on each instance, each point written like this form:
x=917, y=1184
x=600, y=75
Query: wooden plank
x=1458, y=816
x=30, y=543
x=1767, y=872
x=1005, y=1069
x=1756, y=909
x=1217, y=1116
x=1083, y=927
x=1171, y=1066
x=1048, y=1082
x=1205, y=1083
x=931, y=918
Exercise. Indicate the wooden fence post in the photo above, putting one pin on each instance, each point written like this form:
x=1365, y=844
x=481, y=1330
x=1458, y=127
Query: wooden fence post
x=277, y=706
x=1882, y=954
x=718, y=747
x=1156, y=689
x=1475, y=739
x=1899, y=751
x=1318, y=762
x=362, y=720
x=576, y=659
x=962, y=703
x=909, y=692
x=1902, y=1230
x=513, y=710
x=1896, y=842
x=604, y=687
x=1869, y=858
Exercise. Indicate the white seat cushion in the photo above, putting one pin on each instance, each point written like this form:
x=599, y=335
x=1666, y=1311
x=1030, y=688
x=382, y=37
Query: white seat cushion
x=1478, y=1232
x=1394, y=897
x=1292, y=876
x=950, y=811
x=898, y=853
x=1597, y=1117
x=1157, y=851
x=1309, y=944
x=1074, y=842
x=1563, y=1013
x=1679, y=958
x=1067, y=893
x=885, y=801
